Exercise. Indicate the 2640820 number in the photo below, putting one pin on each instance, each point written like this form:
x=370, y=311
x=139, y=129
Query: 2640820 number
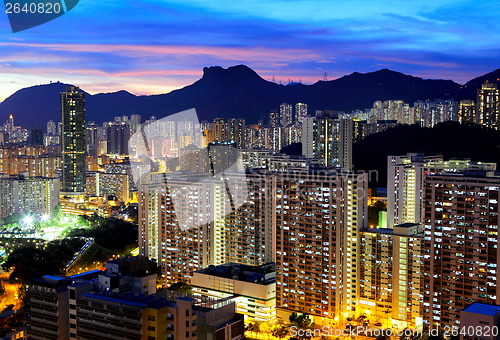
x=471, y=331
x=33, y=8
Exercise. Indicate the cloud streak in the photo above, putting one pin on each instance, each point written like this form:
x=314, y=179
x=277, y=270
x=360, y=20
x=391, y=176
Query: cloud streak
x=153, y=46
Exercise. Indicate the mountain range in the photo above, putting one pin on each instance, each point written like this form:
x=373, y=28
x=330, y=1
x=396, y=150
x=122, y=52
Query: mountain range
x=239, y=91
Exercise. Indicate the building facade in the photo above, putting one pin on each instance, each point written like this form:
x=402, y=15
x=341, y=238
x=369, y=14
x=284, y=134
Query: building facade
x=488, y=106
x=391, y=265
x=318, y=219
x=461, y=240
x=73, y=140
x=31, y=195
x=252, y=288
x=405, y=183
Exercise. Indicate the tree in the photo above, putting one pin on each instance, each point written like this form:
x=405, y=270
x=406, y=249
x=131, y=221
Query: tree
x=181, y=287
x=29, y=263
x=304, y=321
x=279, y=332
x=254, y=327
x=362, y=318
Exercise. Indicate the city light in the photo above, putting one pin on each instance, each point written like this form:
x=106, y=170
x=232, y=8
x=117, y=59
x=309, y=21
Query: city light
x=329, y=205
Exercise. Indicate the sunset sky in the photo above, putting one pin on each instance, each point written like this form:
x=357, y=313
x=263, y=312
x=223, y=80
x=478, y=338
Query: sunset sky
x=150, y=47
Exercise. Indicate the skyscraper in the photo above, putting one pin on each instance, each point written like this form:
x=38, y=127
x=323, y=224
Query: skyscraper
x=219, y=130
x=117, y=136
x=319, y=214
x=73, y=140
x=274, y=118
x=300, y=112
x=467, y=112
x=488, y=106
x=405, y=183
x=329, y=138
x=10, y=124
x=461, y=245
x=236, y=132
x=286, y=114
x=51, y=128
x=180, y=238
x=391, y=265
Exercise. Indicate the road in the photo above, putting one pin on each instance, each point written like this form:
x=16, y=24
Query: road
x=9, y=298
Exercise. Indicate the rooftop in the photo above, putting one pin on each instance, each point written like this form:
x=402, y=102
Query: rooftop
x=483, y=308
x=264, y=274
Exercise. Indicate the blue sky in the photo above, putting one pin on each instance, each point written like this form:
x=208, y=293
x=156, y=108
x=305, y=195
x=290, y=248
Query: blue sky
x=150, y=47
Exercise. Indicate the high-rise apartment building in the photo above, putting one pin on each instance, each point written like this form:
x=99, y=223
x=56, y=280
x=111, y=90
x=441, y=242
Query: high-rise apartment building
x=30, y=161
x=461, y=245
x=253, y=158
x=467, y=112
x=118, y=136
x=51, y=128
x=177, y=226
x=219, y=130
x=109, y=184
x=405, y=183
x=319, y=215
x=248, y=232
x=73, y=140
x=236, y=132
x=92, y=139
x=135, y=123
x=391, y=282
x=328, y=137
x=286, y=114
x=342, y=143
x=300, y=112
x=276, y=138
x=31, y=195
x=188, y=224
x=274, y=118
x=488, y=106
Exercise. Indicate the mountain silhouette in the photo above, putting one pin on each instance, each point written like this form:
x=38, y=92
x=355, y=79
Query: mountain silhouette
x=239, y=91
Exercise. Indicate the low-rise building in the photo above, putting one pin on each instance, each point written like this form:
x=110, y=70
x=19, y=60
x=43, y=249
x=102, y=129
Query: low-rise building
x=122, y=303
x=252, y=288
x=479, y=321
